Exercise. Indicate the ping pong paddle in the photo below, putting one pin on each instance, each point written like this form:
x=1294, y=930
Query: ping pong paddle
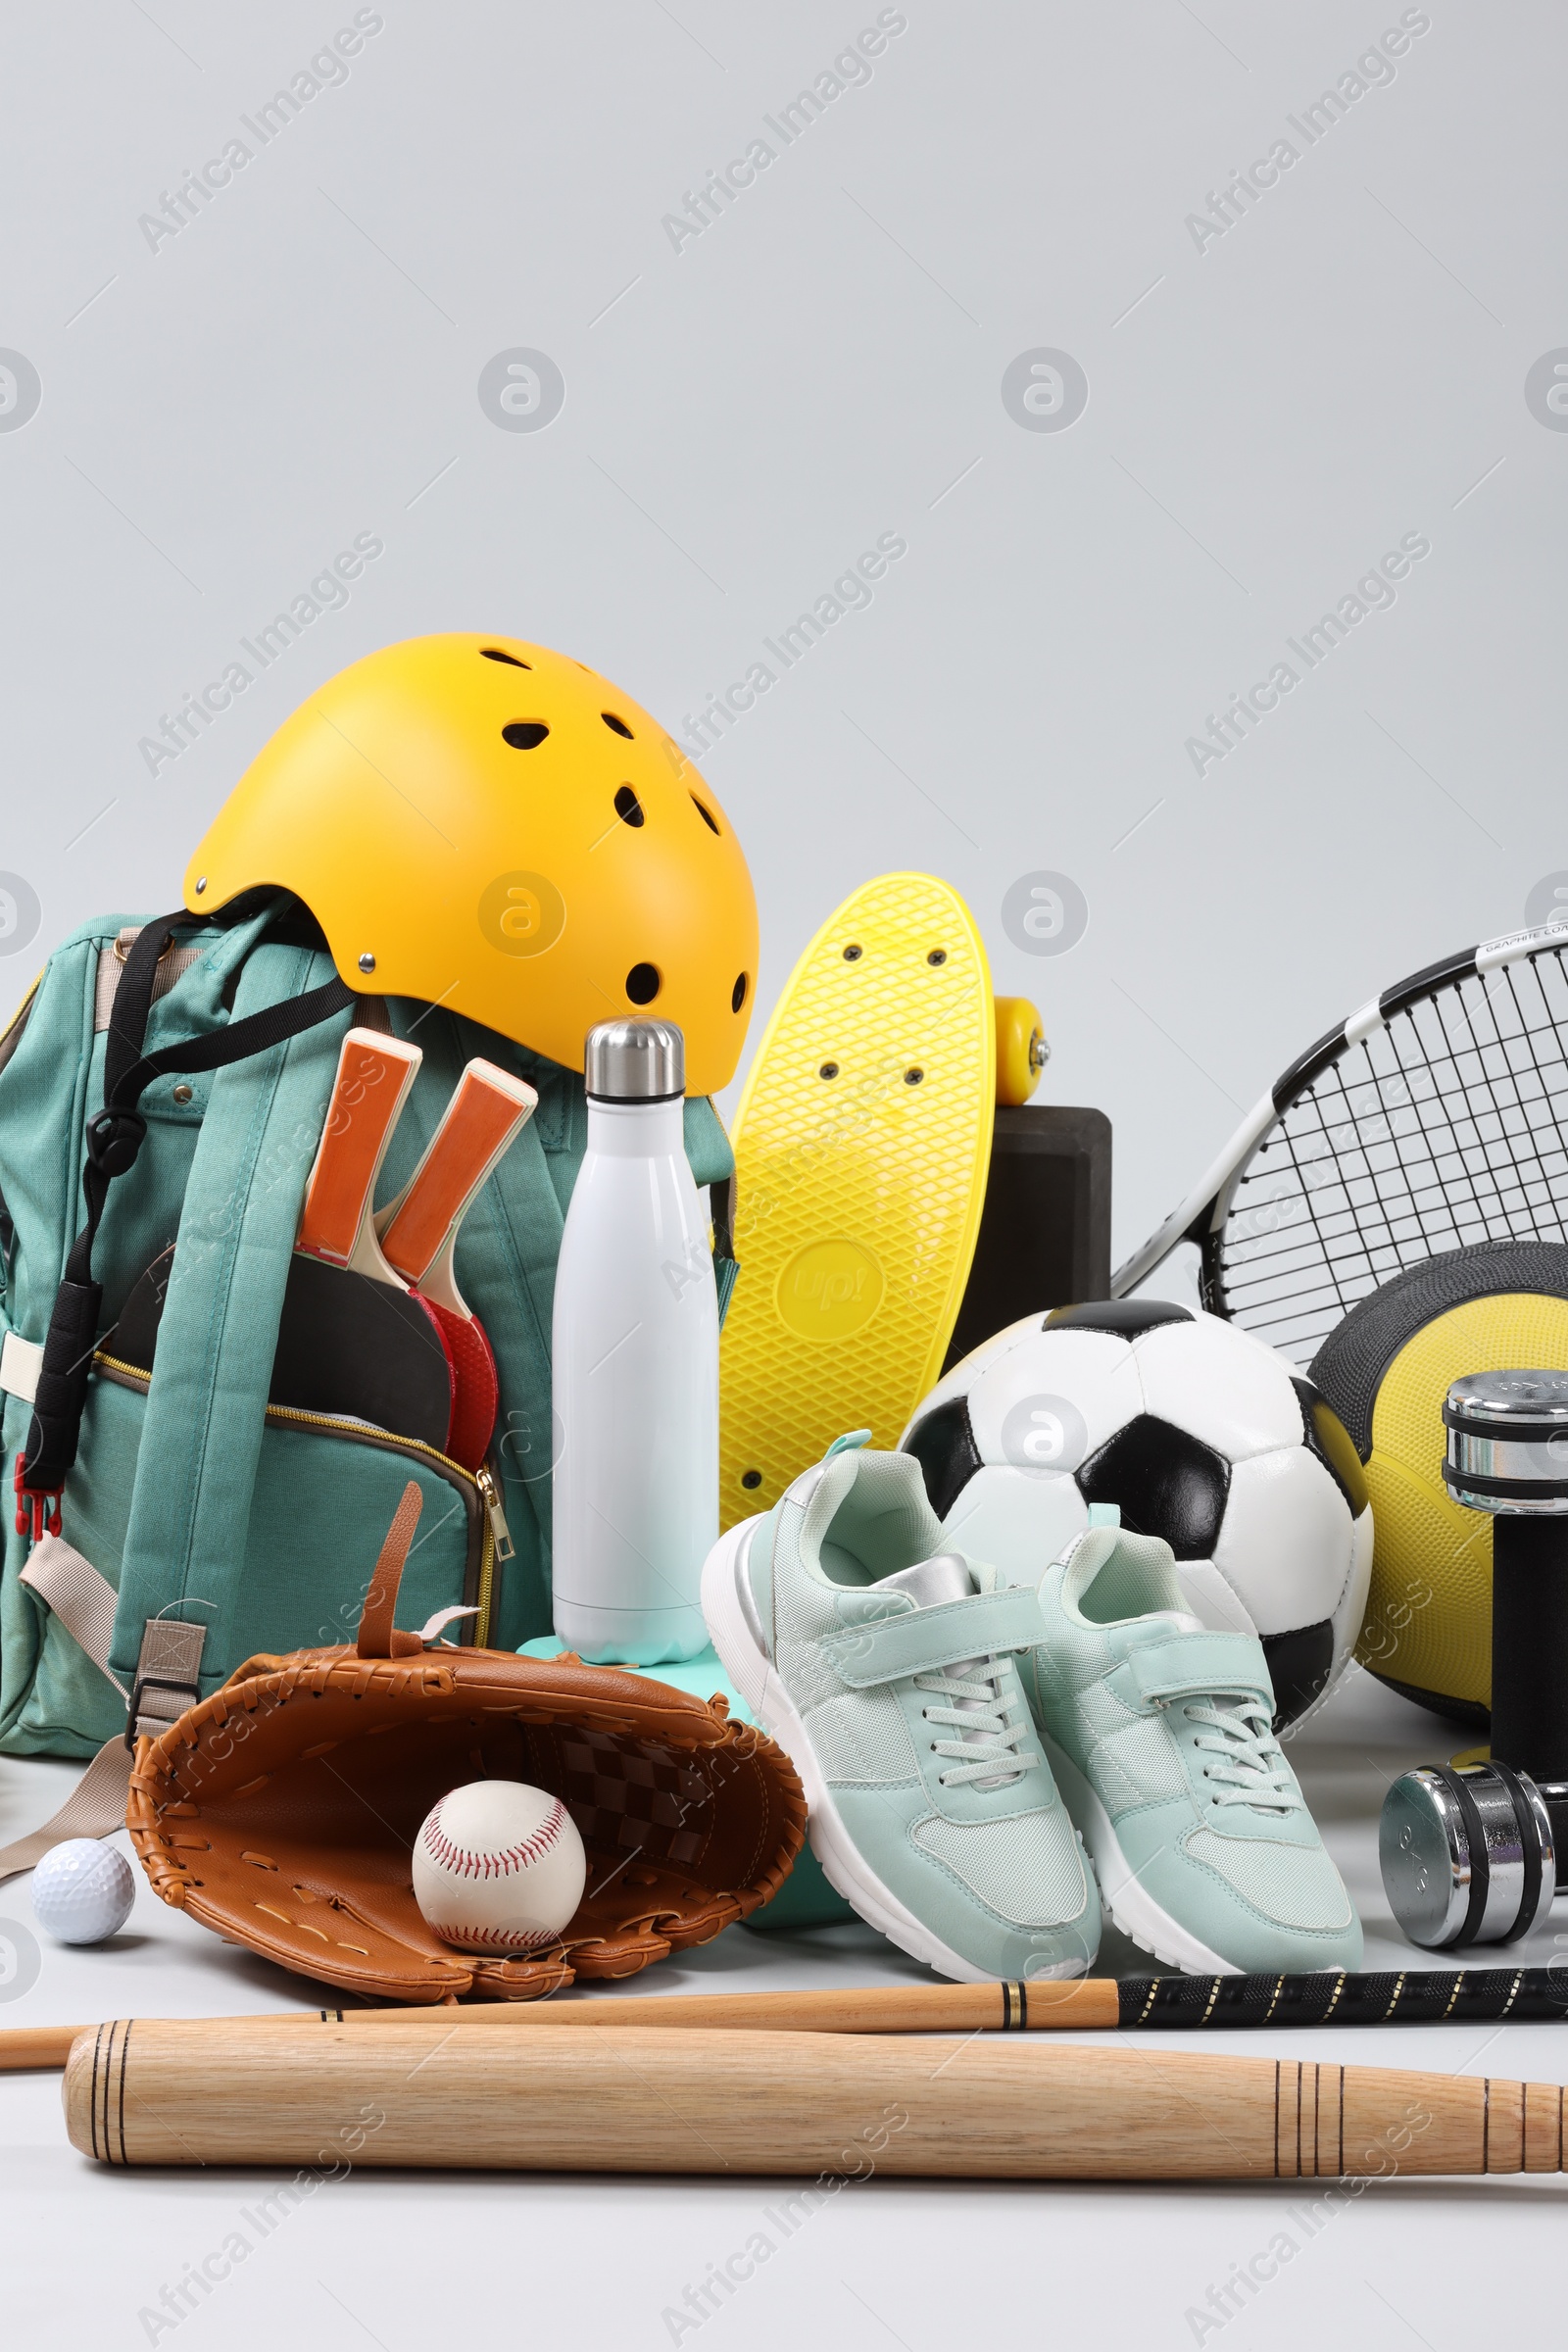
x=383, y=1339
x=352, y=1342
x=418, y=1234
x=419, y=1230
x=337, y=1221
x=352, y=1339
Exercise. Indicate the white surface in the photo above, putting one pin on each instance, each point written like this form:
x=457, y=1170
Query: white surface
x=406, y=2261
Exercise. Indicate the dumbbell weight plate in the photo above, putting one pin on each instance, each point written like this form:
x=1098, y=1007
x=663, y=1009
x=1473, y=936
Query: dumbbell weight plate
x=1467, y=1854
x=1507, y=1444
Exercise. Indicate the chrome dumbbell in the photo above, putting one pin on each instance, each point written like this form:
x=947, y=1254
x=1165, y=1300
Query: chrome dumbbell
x=1470, y=1852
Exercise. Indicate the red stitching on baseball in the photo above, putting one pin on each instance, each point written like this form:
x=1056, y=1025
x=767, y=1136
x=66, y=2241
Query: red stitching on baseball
x=518, y=1939
x=439, y=1846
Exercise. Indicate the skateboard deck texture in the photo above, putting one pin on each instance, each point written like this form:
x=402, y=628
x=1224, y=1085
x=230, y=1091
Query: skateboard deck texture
x=861, y=1145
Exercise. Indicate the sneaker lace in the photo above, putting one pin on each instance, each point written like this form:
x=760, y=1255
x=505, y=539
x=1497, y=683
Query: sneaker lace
x=1251, y=1766
x=990, y=1722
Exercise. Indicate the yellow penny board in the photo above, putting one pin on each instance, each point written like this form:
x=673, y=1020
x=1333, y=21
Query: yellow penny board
x=861, y=1146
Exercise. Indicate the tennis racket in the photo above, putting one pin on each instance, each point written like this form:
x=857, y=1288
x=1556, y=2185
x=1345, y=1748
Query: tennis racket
x=1435, y=1117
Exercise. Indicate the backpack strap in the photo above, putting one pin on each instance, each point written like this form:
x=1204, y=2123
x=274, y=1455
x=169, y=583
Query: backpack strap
x=114, y=1140
x=721, y=1198
x=200, y=1435
x=168, y=1666
x=95, y=1808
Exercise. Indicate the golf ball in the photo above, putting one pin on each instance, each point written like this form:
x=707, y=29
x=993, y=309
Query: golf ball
x=82, y=1892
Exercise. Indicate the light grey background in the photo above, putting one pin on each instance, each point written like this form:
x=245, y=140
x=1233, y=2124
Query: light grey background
x=743, y=416
x=1269, y=410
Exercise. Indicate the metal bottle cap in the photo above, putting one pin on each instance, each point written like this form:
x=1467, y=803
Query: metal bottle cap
x=635, y=1061
x=1508, y=1442
x=1465, y=1859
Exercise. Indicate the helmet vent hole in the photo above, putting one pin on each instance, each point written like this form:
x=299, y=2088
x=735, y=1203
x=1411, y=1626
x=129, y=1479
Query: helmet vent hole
x=616, y=726
x=493, y=652
x=628, y=807
x=643, y=983
x=705, y=814
x=524, y=734
x=737, y=995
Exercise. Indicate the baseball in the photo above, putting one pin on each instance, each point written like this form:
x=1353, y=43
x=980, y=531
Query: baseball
x=498, y=1866
x=82, y=1892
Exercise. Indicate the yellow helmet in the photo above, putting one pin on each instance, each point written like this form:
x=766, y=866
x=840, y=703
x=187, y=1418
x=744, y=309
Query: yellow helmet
x=490, y=826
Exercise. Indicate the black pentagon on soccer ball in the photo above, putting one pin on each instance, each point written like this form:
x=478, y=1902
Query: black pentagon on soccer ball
x=1125, y=1318
x=1164, y=1483
x=943, y=1445
x=1298, y=1666
x=1331, y=1441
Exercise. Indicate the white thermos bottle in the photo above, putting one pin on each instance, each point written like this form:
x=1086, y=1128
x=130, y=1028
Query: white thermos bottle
x=635, y=1343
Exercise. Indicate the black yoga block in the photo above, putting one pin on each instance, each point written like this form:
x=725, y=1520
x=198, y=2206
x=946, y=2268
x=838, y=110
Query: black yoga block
x=1045, y=1231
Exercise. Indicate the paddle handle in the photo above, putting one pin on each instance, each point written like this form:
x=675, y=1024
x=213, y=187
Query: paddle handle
x=419, y=1231
x=374, y=1076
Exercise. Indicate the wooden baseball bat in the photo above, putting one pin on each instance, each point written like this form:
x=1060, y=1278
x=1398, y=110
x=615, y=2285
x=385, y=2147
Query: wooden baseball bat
x=1329, y=1997
x=433, y=2096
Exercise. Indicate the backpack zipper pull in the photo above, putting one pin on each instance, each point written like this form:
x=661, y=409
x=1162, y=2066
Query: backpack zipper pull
x=490, y=1496
x=38, y=1512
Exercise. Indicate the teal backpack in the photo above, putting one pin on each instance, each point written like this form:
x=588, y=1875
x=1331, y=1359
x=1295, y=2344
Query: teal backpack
x=191, y=1522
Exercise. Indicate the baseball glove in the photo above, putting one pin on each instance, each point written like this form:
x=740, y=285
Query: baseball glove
x=282, y=1810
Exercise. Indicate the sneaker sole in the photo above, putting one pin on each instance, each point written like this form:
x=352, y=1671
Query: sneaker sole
x=1130, y=1905
x=842, y=1864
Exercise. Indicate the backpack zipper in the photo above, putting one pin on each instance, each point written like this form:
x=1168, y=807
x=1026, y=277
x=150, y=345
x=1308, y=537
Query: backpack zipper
x=498, y=1547
x=480, y=1496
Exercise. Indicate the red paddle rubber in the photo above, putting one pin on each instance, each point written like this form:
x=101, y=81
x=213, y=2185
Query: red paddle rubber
x=475, y=1390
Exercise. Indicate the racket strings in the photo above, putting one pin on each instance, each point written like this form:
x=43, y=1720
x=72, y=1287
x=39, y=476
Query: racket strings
x=1444, y=1127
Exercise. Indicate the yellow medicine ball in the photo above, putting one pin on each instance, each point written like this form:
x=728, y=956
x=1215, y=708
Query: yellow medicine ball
x=1387, y=1370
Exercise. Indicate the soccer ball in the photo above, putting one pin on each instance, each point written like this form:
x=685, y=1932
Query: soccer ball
x=1199, y=1432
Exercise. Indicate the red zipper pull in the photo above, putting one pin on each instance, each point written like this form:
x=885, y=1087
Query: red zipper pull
x=37, y=1512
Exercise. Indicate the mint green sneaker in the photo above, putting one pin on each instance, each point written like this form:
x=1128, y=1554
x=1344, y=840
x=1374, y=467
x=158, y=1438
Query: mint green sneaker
x=885, y=1668
x=1160, y=1735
